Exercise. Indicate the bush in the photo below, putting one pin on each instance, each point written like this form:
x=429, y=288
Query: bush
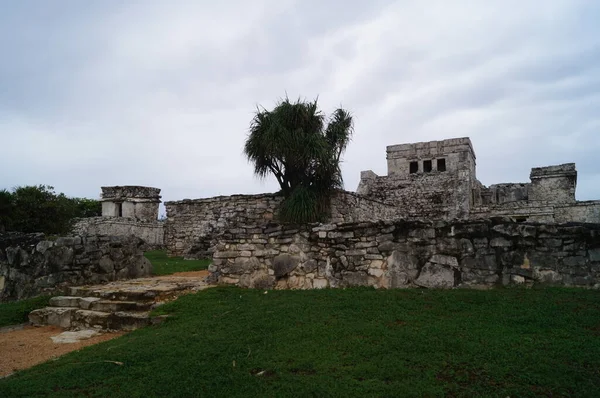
x=40, y=209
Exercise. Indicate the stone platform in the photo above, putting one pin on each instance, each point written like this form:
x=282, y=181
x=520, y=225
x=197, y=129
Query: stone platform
x=121, y=305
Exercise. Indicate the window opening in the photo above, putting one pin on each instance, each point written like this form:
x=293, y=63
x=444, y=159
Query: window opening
x=441, y=164
x=414, y=167
x=427, y=166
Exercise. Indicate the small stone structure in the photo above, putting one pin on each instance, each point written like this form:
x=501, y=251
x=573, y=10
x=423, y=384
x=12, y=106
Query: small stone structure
x=404, y=253
x=437, y=180
x=135, y=202
x=31, y=265
x=127, y=210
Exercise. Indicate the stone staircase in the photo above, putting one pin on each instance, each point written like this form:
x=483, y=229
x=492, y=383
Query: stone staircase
x=121, y=305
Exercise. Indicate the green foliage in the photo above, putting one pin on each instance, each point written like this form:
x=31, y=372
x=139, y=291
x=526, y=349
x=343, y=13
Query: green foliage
x=302, y=149
x=40, y=209
x=165, y=265
x=231, y=342
x=16, y=312
x=87, y=207
x=6, y=206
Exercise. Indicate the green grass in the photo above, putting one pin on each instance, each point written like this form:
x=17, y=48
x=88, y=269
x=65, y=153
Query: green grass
x=230, y=342
x=164, y=265
x=16, y=312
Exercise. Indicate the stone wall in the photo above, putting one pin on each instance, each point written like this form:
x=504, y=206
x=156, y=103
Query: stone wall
x=403, y=253
x=192, y=224
x=542, y=211
x=152, y=233
x=31, y=265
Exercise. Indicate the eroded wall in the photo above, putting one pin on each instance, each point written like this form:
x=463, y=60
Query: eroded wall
x=408, y=254
x=192, y=224
x=31, y=265
x=152, y=233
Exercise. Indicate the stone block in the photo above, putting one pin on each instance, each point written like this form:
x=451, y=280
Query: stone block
x=444, y=260
x=283, y=264
x=435, y=276
x=500, y=242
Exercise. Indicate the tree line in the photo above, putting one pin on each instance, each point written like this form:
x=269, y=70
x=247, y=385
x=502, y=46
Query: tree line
x=38, y=208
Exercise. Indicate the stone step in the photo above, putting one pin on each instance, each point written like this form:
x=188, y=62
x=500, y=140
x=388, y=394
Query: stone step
x=98, y=304
x=117, y=295
x=76, y=318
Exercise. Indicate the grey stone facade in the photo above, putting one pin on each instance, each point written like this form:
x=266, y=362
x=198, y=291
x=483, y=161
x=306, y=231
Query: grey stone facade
x=437, y=180
x=192, y=225
x=127, y=210
x=134, y=202
x=152, y=233
x=397, y=254
x=31, y=265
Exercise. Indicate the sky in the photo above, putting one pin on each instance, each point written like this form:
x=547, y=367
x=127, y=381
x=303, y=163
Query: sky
x=161, y=93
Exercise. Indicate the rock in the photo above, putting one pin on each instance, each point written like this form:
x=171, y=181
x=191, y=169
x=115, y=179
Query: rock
x=320, y=283
x=283, y=264
x=64, y=301
x=74, y=337
x=435, y=276
x=500, y=242
x=106, y=265
x=444, y=260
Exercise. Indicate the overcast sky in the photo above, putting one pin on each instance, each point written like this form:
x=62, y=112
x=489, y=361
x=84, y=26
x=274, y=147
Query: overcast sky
x=161, y=93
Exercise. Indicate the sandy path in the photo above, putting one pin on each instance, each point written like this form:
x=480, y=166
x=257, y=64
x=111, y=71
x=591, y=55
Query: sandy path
x=28, y=346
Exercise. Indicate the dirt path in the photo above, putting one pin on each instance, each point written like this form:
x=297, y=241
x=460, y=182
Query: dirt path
x=23, y=347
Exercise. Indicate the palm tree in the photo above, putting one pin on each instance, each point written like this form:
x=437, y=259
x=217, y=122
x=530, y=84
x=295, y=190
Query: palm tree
x=302, y=149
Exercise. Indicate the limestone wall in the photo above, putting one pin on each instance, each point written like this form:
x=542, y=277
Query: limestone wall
x=150, y=232
x=543, y=211
x=400, y=254
x=192, y=224
x=31, y=265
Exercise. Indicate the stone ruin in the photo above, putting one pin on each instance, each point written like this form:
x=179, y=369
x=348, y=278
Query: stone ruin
x=135, y=202
x=127, y=210
x=427, y=182
x=437, y=180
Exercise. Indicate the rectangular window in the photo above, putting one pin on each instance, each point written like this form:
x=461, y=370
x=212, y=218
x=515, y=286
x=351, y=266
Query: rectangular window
x=119, y=209
x=414, y=167
x=441, y=164
x=427, y=166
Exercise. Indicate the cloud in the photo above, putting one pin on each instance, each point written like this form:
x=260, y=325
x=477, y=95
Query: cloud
x=161, y=93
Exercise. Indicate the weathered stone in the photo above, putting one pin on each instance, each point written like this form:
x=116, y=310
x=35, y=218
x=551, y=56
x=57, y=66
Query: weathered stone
x=500, y=242
x=284, y=264
x=435, y=276
x=320, y=283
x=444, y=260
x=106, y=265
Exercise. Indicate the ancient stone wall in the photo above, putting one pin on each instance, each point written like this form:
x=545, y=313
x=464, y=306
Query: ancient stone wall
x=400, y=254
x=192, y=224
x=152, y=233
x=31, y=265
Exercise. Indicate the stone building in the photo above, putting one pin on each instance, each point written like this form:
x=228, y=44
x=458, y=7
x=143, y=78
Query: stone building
x=127, y=210
x=437, y=180
x=138, y=203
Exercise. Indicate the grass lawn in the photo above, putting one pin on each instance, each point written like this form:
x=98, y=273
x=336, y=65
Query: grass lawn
x=164, y=265
x=231, y=342
x=14, y=313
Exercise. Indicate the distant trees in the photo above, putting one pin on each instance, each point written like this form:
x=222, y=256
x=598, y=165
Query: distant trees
x=40, y=209
x=302, y=148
